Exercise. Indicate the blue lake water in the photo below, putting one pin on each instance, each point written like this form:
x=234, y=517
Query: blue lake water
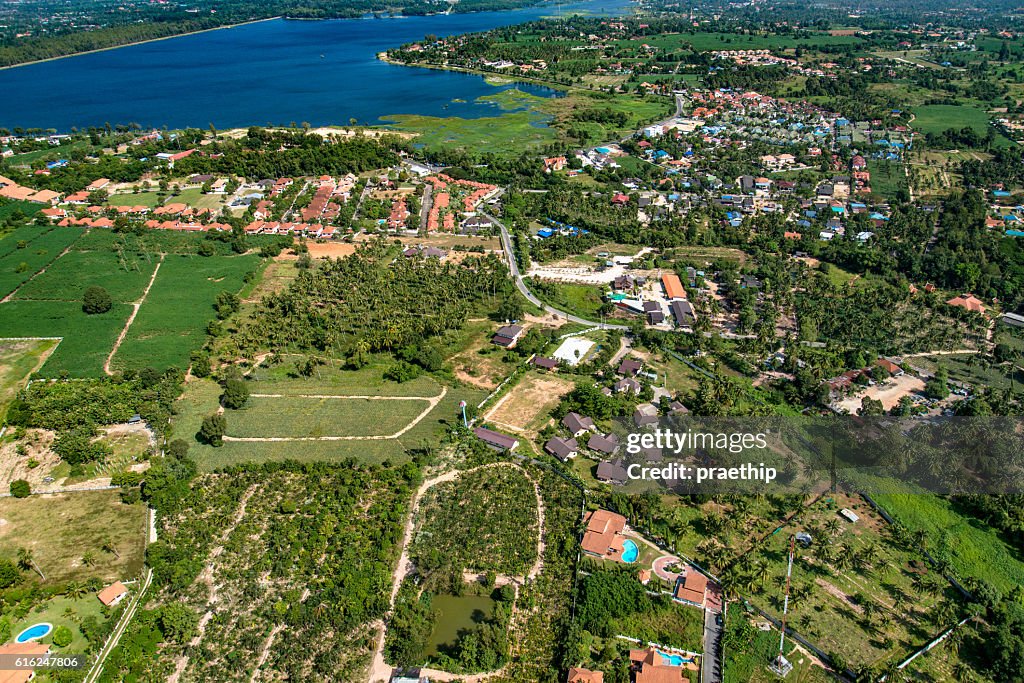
x=272, y=72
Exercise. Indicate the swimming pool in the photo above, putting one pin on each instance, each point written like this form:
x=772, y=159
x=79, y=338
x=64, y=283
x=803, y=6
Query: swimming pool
x=629, y=551
x=34, y=632
x=673, y=660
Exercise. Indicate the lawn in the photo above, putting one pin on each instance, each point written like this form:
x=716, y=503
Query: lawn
x=63, y=611
x=124, y=276
x=194, y=197
x=150, y=199
x=172, y=321
x=63, y=528
x=314, y=417
x=86, y=339
x=582, y=300
x=19, y=358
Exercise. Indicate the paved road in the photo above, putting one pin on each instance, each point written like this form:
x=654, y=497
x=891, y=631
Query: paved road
x=506, y=243
x=711, y=672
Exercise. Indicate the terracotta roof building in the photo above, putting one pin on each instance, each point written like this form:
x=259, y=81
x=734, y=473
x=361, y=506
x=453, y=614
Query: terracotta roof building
x=112, y=594
x=603, y=536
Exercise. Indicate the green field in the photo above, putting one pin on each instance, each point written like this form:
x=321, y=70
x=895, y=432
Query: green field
x=973, y=549
x=582, y=300
x=315, y=417
x=18, y=359
x=935, y=118
x=61, y=529
x=150, y=199
x=123, y=276
x=86, y=339
x=19, y=265
x=172, y=320
x=730, y=41
x=201, y=399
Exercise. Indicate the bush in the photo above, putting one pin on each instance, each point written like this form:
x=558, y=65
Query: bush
x=9, y=575
x=236, y=393
x=96, y=300
x=76, y=446
x=20, y=488
x=213, y=429
x=62, y=636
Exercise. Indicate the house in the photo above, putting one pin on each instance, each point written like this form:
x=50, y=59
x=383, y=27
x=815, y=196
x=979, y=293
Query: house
x=545, y=363
x=626, y=385
x=603, y=534
x=612, y=472
x=673, y=287
x=563, y=449
x=683, y=312
x=554, y=164
x=10, y=652
x=578, y=425
x=98, y=184
x=889, y=367
x=507, y=336
x=112, y=594
x=603, y=444
x=968, y=302
x=577, y=675
x=691, y=588
x=647, y=667
x=629, y=367
x=644, y=576
x=645, y=414
x=496, y=440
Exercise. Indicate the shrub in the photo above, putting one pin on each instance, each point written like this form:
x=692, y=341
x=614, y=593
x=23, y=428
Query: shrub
x=96, y=300
x=20, y=488
x=62, y=636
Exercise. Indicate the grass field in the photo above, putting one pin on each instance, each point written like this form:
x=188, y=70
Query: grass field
x=172, y=321
x=887, y=178
x=61, y=529
x=123, y=276
x=935, y=118
x=150, y=199
x=201, y=399
x=315, y=417
x=9, y=206
x=583, y=300
x=63, y=611
x=972, y=548
x=18, y=359
x=86, y=339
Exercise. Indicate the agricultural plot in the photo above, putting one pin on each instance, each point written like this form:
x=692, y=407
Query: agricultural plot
x=85, y=339
x=19, y=265
x=936, y=118
x=287, y=582
x=856, y=591
x=172, y=321
x=124, y=276
x=66, y=534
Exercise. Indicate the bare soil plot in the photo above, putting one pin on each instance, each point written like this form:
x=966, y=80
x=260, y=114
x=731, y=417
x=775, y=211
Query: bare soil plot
x=526, y=405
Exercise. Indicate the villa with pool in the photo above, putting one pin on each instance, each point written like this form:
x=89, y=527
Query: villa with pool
x=604, y=537
x=654, y=666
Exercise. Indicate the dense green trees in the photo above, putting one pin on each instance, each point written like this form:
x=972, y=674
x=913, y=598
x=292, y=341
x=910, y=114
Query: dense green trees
x=96, y=300
x=213, y=429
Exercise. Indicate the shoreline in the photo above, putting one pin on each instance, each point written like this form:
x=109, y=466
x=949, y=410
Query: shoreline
x=138, y=42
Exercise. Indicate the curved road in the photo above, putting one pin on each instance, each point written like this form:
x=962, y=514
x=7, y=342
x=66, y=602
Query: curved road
x=506, y=243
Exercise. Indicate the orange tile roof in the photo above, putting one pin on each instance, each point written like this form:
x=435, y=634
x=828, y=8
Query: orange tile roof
x=31, y=649
x=111, y=592
x=585, y=676
x=673, y=287
x=603, y=534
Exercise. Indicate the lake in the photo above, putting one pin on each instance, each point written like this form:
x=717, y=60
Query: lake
x=272, y=72
x=456, y=614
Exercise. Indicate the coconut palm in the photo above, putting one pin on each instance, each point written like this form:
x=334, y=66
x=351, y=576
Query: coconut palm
x=109, y=547
x=89, y=558
x=26, y=560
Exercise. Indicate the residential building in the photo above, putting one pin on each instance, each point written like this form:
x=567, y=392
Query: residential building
x=577, y=424
x=496, y=440
x=563, y=449
x=507, y=336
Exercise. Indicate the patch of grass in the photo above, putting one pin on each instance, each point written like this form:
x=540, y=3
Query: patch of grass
x=173, y=319
x=150, y=199
x=18, y=359
x=123, y=276
x=61, y=529
x=314, y=417
x=16, y=267
x=936, y=118
x=583, y=300
x=86, y=339
x=63, y=611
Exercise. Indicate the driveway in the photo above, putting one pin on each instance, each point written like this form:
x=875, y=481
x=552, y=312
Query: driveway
x=711, y=671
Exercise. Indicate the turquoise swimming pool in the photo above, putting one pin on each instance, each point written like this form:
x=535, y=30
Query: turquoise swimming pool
x=673, y=659
x=34, y=633
x=629, y=551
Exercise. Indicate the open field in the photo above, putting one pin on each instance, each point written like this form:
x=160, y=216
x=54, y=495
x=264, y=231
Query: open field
x=87, y=339
x=150, y=199
x=316, y=417
x=972, y=549
x=526, y=406
x=61, y=529
x=935, y=118
x=123, y=276
x=19, y=358
x=172, y=321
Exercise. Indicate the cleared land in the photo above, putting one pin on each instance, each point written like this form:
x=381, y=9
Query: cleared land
x=19, y=358
x=525, y=407
x=307, y=417
x=61, y=529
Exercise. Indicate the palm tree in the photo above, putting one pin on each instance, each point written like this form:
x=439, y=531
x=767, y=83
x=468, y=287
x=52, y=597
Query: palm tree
x=89, y=558
x=75, y=590
x=26, y=560
x=109, y=547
